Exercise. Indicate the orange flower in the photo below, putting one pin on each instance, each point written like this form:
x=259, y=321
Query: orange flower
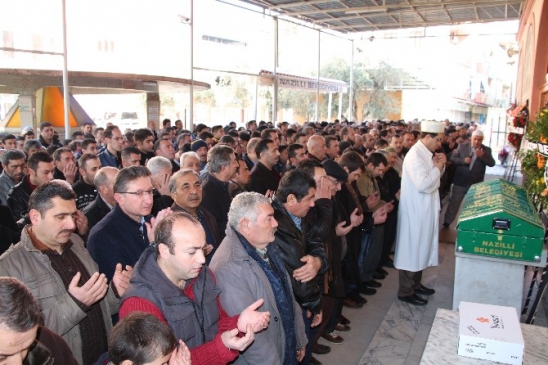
x=541, y=161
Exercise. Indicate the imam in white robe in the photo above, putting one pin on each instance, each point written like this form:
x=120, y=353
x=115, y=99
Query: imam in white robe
x=418, y=213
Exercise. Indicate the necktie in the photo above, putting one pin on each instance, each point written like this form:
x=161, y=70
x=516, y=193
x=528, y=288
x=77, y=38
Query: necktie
x=473, y=158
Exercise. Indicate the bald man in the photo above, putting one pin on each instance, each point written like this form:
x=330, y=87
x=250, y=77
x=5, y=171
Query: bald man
x=316, y=148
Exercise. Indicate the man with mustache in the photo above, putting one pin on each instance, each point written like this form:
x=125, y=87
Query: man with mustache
x=186, y=192
x=13, y=163
x=171, y=282
x=121, y=236
x=248, y=267
x=75, y=300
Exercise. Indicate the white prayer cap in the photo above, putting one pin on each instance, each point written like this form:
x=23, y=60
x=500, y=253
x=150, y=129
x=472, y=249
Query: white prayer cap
x=478, y=133
x=431, y=126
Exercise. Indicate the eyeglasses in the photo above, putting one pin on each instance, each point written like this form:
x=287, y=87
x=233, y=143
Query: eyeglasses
x=139, y=193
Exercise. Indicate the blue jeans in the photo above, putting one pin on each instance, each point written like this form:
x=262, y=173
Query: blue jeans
x=364, y=248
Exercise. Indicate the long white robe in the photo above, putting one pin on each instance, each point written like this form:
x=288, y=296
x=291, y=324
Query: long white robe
x=418, y=214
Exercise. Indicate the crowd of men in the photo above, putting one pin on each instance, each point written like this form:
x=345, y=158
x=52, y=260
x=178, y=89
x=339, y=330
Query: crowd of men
x=233, y=245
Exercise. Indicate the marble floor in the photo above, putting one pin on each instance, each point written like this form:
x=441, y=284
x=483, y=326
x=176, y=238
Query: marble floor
x=387, y=331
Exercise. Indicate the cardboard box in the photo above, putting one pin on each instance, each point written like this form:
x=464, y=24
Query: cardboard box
x=490, y=332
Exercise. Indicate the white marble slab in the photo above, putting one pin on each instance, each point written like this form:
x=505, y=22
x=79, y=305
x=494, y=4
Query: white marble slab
x=441, y=347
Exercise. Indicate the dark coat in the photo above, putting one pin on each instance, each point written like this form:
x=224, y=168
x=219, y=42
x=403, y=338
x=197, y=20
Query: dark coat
x=9, y=232
x=216, y=199
x=263, y=179
x=96, y=211
x=85, y=194
x=116, y=239
x=464, y=176
x=18, y=199
x=292, y=244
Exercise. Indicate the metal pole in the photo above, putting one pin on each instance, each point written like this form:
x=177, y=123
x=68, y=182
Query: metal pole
x=66, y=100
x=340, y=105
x=191, y=94
x=256, y=97
x=351, y=92
x=318, y=81
x=274, y=73
x=329, y=107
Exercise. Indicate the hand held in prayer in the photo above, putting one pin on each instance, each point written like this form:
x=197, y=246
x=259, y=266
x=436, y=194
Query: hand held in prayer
x=300, y=355
x=250, y=317
x=316, y=320
x=208, y=249
x=81, y=222
x=467, y=160
x=341, y=230
x=480, y=152
x=323, y=191
x=180, y=355
x=121, y=278
x=355, y=218
x=233, y=342
x=154, y=222
x=70, y=172
x=92, y=291
x=309, y=270
x=163, y=189
x=372, y=200
x=379, y=216
x=439, y=160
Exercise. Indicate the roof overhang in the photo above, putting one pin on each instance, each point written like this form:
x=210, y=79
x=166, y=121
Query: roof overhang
x=15, y=81
x=351, y=16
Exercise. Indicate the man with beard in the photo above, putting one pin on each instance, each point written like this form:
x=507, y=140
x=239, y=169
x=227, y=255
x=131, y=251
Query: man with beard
x=186, y=192
x=263, y=176
x=85, y=190
x=418, y=215
x=122, y=235
x=40, y=171
x=247, y=267
x=75, y=299
x=13, y=163
x=200, y=147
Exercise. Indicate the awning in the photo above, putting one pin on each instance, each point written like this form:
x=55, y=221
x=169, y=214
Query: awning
x=302, y=82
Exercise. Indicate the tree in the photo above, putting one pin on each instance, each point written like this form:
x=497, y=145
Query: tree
x=381, y=102
x=339, y=69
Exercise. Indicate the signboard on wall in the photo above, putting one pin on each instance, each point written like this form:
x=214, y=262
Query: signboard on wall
x=302, y=83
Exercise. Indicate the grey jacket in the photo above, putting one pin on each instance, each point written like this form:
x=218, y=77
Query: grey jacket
x=242, y=282
x=6, y=183
x=61, y=314
x=464, y=176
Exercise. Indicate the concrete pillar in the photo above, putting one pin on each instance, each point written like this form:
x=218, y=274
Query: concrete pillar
x=27, y=108
x=153, y=109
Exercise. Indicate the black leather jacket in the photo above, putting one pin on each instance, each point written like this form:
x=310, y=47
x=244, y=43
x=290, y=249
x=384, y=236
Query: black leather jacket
x=292, y=245
x=18, y=200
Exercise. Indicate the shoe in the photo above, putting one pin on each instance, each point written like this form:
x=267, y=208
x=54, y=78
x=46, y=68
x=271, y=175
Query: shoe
x=414, y=299
x=314, y=361
x=344, y=320
x=357, y=298
x=333, y=337
x=389, y=264
x=378, y=276
x=342, y=327
x=367, y=291
x=373, y=284
x=320, y=349
x=349, y=303
x=446, y=225
x=424, y=290
x=382, y=271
